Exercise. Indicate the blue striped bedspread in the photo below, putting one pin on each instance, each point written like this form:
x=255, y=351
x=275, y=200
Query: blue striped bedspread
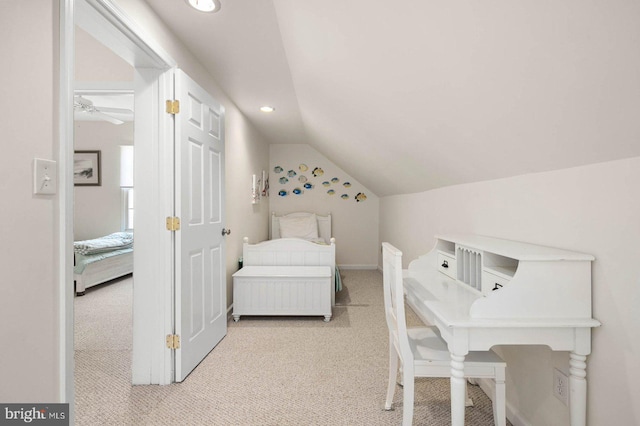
x=115, y=241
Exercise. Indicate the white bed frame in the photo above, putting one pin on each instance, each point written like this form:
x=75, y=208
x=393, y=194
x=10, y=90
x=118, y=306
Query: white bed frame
x=291, y=252
x=102, y=271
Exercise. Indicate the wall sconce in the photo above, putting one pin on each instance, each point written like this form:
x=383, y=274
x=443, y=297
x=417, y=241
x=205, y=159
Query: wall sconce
x=255, y=192
x=259, y=187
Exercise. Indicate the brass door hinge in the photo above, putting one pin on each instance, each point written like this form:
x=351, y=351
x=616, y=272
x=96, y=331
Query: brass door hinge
x=173, y=341
x=173, y=223
x=173, y=107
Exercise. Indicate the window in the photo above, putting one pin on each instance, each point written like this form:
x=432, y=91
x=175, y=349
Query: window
x=126, y=183
x=127, y=209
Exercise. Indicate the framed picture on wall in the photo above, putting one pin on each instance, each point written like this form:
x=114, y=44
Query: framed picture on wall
x=86, y=168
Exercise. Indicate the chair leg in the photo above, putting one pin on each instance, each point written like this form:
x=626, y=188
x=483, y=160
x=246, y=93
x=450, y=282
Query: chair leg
x=393, y=374
x=407, y=394
x=499, y=403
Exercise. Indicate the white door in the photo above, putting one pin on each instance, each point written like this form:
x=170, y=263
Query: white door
x=200, y=317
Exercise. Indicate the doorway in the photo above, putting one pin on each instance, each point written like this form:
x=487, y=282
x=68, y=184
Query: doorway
x=103, y=213
x=152, y=296
x=156, y=264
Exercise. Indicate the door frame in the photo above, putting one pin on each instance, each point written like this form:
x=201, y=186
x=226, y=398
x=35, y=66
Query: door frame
x=153, y=259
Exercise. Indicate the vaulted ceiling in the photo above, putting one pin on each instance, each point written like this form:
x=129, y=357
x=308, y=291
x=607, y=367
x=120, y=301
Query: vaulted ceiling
x=411, y=95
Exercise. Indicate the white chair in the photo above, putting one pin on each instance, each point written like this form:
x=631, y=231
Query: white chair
x=422, y=351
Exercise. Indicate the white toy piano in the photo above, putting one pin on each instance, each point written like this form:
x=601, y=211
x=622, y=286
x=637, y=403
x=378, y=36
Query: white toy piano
x=482, y=291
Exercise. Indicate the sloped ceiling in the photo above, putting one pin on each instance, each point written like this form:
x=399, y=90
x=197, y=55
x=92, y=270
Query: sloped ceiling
x=411, y=95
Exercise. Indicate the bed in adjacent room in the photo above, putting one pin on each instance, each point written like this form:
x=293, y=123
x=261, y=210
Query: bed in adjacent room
x=102, y=259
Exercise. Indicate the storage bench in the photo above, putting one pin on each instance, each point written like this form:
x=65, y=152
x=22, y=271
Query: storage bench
x=282, y=290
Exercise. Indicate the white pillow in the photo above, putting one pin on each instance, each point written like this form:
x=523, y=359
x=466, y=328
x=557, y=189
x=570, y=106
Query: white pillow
x=299, y=227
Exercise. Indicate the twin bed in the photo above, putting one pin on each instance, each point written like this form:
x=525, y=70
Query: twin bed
x=102, y=259
x=293, y=273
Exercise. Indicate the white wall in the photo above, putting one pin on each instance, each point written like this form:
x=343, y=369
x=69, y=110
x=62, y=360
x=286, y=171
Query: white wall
x=592, y=209
x=355, y=224
x=97, y=209
x=95, y=62
x=28, y=287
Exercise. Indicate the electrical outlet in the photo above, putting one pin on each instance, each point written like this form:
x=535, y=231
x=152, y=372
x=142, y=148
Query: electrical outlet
x=561, y=386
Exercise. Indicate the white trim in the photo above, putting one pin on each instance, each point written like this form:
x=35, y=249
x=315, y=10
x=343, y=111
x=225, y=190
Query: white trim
x=229, y=312
x=65, y=204
x=106, y=87
x=166, y=179
x=153, y=258
x=356, y=266
x=124, y=209
x=86, y=90
x=137, y=48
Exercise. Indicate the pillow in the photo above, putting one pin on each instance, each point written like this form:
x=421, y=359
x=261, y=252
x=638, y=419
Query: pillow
x=299, y=227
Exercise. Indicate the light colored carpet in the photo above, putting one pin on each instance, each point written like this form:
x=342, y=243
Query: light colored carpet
x=266, y=371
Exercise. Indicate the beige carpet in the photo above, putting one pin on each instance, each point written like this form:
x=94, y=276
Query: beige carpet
x=266, y=371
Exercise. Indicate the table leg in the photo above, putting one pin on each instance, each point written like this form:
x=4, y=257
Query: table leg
x=578, y=389
x=458, y=390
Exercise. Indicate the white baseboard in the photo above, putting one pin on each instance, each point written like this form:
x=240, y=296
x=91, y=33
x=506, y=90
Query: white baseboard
x=513, y=415
x=345, y=267
x=229, y=311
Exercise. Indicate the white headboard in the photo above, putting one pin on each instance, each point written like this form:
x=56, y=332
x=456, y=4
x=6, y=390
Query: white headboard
x=324, y=225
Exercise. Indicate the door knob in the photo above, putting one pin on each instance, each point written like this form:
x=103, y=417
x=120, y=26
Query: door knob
x=225, y=231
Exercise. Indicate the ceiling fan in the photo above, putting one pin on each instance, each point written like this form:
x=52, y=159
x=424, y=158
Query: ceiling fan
x=83, y=107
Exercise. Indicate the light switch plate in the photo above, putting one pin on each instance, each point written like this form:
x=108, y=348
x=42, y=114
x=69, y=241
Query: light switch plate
x=45, y=176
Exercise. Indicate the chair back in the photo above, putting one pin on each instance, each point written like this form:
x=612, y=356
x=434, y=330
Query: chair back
x=394, y=301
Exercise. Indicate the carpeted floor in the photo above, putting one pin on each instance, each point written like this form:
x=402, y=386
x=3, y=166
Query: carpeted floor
x=266, y=371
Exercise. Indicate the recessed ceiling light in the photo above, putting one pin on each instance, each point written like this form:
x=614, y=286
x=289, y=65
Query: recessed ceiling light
x=267, y=108
x=205, y=5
